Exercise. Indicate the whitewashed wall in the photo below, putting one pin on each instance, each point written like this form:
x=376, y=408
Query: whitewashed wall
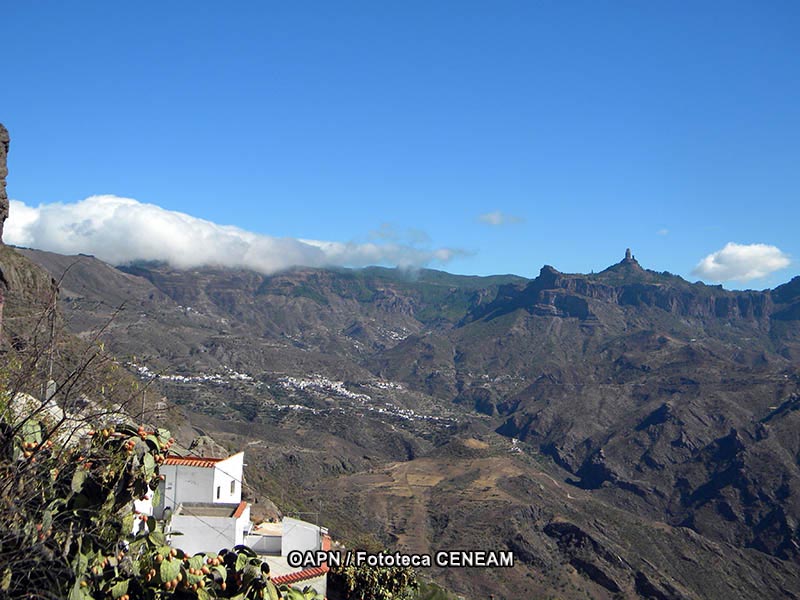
x=209, y=534
x=299, y=535
x=243, y=525
x=264, y=544
x=184, y=484
x=227, y=477
x=203, y=534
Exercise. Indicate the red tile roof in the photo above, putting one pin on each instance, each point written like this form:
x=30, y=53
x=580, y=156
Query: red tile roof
x=239, y=509
x=298, y=576
x=192, y=461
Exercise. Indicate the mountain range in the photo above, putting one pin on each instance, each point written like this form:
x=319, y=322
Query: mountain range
x=625, y=433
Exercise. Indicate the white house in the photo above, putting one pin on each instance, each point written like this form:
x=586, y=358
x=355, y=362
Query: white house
x=193, y=480
x=274, y=541
x=201, y=498
x=208, y=527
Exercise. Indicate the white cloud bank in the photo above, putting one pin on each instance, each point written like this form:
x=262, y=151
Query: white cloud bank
x=498, y=218
x=741, y=262
x=121, y=230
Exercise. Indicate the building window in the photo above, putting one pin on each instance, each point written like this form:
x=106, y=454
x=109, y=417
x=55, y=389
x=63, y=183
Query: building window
x=219, y=487
x=233, y=486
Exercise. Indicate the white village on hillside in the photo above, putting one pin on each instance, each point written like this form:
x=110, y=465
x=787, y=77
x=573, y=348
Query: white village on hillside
x=201, y=498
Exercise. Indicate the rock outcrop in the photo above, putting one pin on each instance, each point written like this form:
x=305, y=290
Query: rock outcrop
x=4, y=141
x=627, y=284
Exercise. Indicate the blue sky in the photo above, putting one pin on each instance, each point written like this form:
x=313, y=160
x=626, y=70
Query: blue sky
x=579, y=128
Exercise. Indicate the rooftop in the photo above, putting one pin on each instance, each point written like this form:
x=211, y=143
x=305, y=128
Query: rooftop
x=207, y=509
x=192, y=461
x=267, y=528
x=297, y=576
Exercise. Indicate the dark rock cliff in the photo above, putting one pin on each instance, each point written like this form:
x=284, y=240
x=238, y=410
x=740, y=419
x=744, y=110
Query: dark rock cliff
x=554, y=293
x=4, y=141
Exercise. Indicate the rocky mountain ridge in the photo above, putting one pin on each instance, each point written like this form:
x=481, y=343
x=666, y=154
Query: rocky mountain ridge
x=628, y=284
x=587, y=409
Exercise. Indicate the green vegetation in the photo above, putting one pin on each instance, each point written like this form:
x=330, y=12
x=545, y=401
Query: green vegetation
x=67, y=522
x=364, y=582
x=375, y=583
x=431, y=591
x=70, y=468
x=303, y=291
x=295, y=594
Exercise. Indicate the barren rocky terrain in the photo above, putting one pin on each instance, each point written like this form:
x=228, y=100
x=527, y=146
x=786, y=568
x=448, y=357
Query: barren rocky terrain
x=625, y=433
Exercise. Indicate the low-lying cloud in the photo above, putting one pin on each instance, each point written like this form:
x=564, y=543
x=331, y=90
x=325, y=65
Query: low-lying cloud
x=122, y=230
x=498, y=218
x=741, y=262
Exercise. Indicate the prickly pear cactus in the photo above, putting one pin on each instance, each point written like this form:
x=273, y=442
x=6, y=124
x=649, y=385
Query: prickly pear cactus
x=69, y=531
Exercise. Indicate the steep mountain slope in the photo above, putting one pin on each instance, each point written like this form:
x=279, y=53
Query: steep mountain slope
x=669, y=398
x=568, y=542
x=602, y=426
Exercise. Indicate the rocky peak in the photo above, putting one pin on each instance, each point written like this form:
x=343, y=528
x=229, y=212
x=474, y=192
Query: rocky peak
x=629, y=261
x=627, y=283
x=4, y=142
x=548, y=276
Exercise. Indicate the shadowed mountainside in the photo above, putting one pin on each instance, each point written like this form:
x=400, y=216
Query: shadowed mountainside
x=625, y=432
